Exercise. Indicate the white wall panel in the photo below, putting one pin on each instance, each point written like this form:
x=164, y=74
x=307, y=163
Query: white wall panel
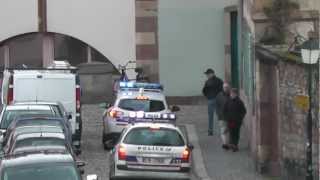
x=17, y=17
x=107, y=25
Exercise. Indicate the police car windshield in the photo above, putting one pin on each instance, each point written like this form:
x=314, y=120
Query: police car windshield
x=154, y=137
x=141, y=105
x=10, y=115
x=50, y=171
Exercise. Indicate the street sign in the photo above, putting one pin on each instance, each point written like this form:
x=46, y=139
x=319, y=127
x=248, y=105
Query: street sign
x=302, y=102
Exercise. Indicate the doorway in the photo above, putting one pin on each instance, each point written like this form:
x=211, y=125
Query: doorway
x=234, y=49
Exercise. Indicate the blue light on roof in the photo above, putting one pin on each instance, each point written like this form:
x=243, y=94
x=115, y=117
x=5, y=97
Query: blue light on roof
x=136, y=85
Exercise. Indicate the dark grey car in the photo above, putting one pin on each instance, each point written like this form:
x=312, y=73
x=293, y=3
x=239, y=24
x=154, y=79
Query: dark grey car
x=40, y=166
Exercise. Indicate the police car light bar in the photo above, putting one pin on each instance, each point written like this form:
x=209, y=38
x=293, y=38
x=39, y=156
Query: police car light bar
x=137, y=85
x=141, y=116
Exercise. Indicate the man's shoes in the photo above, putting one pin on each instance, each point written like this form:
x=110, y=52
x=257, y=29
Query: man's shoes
x=234, y=148
x=210, y=133
x=225, y=147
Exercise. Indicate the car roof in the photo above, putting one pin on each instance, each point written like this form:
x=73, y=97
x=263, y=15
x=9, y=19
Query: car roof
x=39, y=148
x=19, y=122
x=147, y=125
x=39, y=128
x=36, y=103
x=37, y=158
x=134, y=94
x=40, y=135
x=28, y=107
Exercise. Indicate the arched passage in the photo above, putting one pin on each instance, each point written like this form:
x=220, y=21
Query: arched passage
x=96, y=71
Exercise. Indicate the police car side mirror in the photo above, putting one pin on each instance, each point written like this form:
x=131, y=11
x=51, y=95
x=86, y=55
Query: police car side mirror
x=175, y=108
x=92, y=177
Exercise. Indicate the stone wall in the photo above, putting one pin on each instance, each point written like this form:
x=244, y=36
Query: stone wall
x=293, y=121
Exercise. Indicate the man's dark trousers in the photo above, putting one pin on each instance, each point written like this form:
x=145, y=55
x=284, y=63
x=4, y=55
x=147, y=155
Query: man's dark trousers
x=235, y=135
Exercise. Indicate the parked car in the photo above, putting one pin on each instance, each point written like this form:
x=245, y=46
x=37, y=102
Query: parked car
x=151, y=150
x=40, y=166
x=132, y=97
x=59, y=83
x=33, y=121
x=11, y=112
x=30, y=139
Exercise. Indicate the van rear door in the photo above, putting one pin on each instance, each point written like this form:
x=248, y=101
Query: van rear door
x=25, y=86
x=62, y=88
x=51, y=87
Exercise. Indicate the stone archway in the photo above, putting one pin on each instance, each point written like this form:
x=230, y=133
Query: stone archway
x=96, y=71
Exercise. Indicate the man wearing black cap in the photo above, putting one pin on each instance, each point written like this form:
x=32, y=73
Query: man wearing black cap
x=211, y=89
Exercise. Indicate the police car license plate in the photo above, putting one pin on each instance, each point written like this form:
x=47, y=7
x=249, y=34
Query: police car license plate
x=149, y=160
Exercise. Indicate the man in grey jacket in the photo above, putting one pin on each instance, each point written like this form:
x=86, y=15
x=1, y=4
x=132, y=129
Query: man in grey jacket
x=221, y=100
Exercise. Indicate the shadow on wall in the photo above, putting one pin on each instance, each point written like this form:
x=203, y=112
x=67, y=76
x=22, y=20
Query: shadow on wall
x=96, y=81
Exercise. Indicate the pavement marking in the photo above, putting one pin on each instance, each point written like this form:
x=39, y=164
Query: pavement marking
x=199, y=167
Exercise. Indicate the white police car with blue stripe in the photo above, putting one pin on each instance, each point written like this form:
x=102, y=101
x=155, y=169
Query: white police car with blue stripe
x=132, y=97
x=151, y=147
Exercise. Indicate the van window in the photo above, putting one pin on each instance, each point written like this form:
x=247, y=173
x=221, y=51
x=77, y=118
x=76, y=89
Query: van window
x=141, y=105
x=154, y=137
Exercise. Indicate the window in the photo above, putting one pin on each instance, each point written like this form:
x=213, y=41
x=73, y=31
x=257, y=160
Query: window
x=10, y=115
x=141, y=105
x=52, y=171
x=154, y=137
x=39, y=142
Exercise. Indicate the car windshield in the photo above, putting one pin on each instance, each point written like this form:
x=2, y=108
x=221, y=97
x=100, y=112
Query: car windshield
x=53, y=171
x=39, y=142
x=154, y=137
x=10, y=115
x=141, y=105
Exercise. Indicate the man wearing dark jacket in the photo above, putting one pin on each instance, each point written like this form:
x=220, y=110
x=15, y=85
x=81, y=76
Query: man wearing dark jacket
x=210, y=90
x=234, y=112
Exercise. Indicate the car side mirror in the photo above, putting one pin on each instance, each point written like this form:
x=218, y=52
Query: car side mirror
x=175, y=108
x=190, y=146
x=105, y=105
x=80, y=163
x=92, y=177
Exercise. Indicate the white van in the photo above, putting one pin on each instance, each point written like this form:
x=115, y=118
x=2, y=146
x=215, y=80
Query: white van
x=50, y=85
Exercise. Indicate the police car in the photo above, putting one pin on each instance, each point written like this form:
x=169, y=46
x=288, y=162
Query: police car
x=149, y=148
x=132, y=97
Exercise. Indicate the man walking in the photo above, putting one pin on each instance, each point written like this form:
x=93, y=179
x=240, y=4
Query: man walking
x=234, y=112
x=221, y=100
x=210, y=90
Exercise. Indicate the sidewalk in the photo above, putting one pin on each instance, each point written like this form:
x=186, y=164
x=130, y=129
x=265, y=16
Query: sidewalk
x=220, y=164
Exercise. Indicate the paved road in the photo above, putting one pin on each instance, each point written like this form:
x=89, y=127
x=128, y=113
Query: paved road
x=92, y=150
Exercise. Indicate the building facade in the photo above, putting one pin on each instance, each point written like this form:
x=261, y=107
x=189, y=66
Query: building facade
x=173, y=40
